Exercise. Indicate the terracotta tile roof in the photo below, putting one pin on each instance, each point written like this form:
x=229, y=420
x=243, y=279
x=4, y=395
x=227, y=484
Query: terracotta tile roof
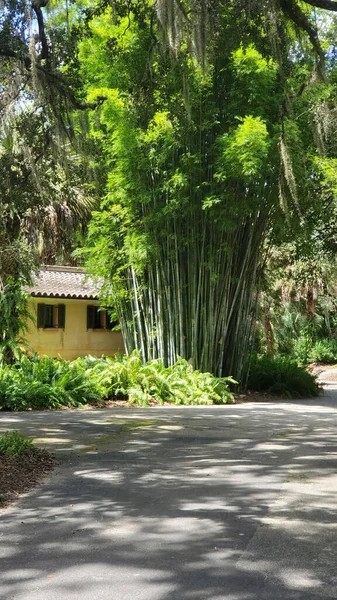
x=63, y=282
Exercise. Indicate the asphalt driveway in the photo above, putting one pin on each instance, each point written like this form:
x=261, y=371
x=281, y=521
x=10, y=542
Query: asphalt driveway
x=235, y=502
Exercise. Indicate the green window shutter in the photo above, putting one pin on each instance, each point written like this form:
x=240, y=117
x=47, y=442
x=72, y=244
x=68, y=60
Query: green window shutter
x=41, y=315
x=90, y=317
x=62, y=316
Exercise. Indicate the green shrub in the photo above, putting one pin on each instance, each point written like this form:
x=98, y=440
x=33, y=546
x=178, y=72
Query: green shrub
x=324, y=351
x=301, y=349
x=53, y=383
x=45, y=383
x=128, y=377
x=13, y=444
x=281, y=375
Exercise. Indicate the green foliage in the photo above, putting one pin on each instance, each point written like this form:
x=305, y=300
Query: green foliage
x=200, y=150
x=44, y=202
x=52, y=383
x=128, y=377
x=246, y=148
x=12, y=444
x=304, y=339
x=190, y=183
x=281, y=375
x=14, y=315
x=323, y=351
x=300, y=301
x=45, y=383
x=289, y=325
x=205, y=117
x=302, y=348
x=254, y=82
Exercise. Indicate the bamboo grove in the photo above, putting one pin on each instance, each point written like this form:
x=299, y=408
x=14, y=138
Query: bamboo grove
x=206, y=152
x=213, y=126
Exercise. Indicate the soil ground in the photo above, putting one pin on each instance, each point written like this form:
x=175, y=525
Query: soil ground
x=20, y=474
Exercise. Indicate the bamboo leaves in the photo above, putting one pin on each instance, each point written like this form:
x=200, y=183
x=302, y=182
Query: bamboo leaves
x=194, y=163
x=246, y=149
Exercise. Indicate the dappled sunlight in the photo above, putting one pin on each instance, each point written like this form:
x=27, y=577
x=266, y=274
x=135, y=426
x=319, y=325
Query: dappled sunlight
x=208, y=504
x=101, y=475
x=299, y=579
x=234, y=503
x=51, y=440
x=293, y=579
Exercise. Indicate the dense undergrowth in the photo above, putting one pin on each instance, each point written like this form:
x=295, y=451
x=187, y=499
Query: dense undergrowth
x=52, y=383
x=42, y=383
x=45, y=383
x=308, y=351
x=281, y=375
x=305, y=339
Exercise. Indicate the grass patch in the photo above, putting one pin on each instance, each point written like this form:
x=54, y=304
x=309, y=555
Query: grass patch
x=12, y=444
x=22, y=466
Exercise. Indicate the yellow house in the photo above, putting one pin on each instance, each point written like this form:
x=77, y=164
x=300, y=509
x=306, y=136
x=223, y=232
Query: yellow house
x=68, y=321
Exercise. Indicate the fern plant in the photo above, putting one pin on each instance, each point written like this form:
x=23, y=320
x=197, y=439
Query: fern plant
x=128, y=377
x=52, y=383
x=45, y=383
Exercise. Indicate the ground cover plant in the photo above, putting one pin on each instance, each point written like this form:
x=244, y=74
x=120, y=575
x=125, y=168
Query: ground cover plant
x=45, y=383
x=128, y=377
x=13, y=444
x=41, y=383
x=21, y=465
x=307, y=350
x=281, y=375
x=324, y=351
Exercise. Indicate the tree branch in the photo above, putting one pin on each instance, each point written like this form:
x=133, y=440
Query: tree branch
x=37, y=6
x=61, y=84
x=9, y=53
x=293, y=11
x=56, y=80
x=325, y=4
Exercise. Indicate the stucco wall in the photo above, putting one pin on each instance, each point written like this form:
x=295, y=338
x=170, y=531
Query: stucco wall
x=75, y=340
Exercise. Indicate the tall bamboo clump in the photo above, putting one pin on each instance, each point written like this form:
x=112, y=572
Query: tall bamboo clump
x=191, y=134
x=197, y=302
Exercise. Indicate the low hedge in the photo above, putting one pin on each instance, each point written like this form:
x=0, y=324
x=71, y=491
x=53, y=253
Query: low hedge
x=281, y=376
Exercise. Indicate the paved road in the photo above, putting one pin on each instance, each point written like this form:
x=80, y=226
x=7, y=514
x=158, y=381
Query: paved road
x=235, y=502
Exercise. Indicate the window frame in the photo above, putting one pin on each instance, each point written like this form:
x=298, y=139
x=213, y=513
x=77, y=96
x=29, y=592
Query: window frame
x=95, y=315
x=57, y=313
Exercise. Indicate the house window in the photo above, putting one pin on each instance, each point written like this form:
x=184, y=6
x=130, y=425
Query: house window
x=51, y=316
x=99, y=319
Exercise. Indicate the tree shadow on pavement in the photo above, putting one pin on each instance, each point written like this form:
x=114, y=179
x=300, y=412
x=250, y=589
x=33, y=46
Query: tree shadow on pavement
x=203, y=504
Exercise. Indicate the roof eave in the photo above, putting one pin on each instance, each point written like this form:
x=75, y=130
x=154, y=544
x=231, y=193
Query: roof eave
x=65, y=296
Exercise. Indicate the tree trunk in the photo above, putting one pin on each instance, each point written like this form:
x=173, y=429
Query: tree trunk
x=311, y=303
x=268, y=330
